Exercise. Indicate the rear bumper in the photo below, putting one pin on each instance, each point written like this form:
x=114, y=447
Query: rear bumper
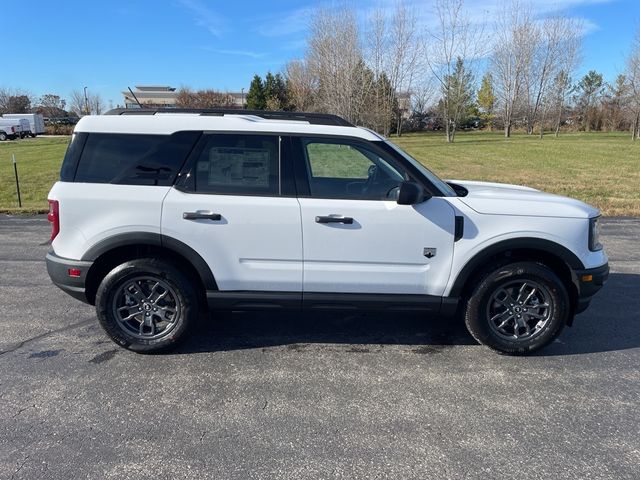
x=589, y=282
x=58, y=269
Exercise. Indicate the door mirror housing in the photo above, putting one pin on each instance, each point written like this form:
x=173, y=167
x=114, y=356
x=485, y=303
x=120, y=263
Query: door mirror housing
x=411, y=193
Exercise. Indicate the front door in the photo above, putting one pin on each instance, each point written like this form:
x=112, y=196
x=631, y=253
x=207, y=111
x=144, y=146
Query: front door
x=356, y=238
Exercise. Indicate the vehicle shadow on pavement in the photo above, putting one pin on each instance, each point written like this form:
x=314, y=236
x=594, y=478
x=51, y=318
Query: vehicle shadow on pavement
x=240, y=330
x=611, y=323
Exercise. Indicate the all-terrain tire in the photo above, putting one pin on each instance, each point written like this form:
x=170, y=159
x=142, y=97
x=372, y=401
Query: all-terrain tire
x=513, y=321
x=147, y=305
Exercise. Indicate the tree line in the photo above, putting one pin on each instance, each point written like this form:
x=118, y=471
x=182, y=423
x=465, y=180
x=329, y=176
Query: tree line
x=516, y=71
x=51, y=105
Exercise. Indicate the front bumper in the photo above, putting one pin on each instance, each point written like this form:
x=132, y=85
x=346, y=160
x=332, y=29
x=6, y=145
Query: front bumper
x=59, y=268
x=589, y=282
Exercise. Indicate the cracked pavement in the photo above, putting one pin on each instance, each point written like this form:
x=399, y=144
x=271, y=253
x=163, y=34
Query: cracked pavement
x=313, y=395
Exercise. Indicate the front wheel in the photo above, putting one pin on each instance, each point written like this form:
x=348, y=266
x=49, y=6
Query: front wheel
x=146, y=305
x=3, y=136
x=518, y=308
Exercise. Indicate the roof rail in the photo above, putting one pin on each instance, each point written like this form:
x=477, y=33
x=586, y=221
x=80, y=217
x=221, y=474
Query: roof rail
x=312, y=118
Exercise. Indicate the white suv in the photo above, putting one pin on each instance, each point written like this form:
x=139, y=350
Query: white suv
x=159, y=213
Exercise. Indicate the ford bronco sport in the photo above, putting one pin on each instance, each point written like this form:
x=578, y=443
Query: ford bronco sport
x=159, y=213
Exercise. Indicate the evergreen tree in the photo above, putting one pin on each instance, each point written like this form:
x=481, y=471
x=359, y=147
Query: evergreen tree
x=487, y=99
x=457, y=98
x=256, y=99
x=590, y=89
x=275, y=92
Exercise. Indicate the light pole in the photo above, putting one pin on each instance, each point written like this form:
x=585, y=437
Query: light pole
x=242, y=96
x=86, y=101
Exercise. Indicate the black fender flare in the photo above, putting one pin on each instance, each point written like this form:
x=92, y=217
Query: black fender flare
x=525, y=243
x=155, y=240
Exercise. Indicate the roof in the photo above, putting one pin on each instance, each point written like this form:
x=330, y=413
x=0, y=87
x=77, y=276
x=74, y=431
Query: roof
x=165, y=123
x=165, y=88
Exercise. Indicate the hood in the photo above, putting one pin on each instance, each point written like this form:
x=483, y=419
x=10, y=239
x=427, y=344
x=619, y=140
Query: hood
x=503, y=199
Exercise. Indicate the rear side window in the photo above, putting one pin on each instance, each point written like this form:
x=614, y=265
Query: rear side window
x=130, y=159
x=235, y=164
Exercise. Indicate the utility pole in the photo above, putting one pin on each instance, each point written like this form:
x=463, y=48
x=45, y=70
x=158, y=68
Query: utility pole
x=86, y=102
x=242, y=96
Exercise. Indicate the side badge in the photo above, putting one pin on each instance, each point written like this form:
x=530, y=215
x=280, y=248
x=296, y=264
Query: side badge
x=429, y=252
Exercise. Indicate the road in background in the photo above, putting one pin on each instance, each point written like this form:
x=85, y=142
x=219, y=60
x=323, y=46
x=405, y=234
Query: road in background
x=257, y=395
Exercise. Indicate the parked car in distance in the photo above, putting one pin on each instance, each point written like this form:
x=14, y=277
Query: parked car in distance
x=9, y=130
x=36, y=122
x=161, y=213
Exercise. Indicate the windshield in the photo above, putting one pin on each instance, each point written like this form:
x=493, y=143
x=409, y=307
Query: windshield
x=441, y=185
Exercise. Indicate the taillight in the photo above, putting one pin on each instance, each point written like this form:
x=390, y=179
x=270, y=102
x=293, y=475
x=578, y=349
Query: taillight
x=54, y=217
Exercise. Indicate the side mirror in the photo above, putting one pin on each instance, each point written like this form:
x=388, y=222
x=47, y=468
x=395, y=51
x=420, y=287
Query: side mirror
x=411, y=193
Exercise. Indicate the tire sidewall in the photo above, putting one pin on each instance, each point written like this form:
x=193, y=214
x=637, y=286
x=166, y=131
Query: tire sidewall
x=477, y=319
x=185, y=296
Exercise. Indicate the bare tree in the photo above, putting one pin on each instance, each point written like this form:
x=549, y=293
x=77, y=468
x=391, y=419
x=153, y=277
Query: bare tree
x=548, y=39
x=51, y=105
x=454, y=41
x=92, y=104
x=96, y=104
x=188, y=98
x=394, y=58
x=77, y=104
x=15, y=100
x=633, y=80
x=512, y=59
x=301, y=85
x=336, y=61
x=569, y=59
x=378, y=46
x=615, y=98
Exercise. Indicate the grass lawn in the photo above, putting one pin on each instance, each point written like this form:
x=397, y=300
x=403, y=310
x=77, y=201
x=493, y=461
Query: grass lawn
x=602, y=169
x=39, y=161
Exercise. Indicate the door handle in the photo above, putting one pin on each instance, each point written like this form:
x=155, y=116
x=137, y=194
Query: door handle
x=334, y=219
x=202, y=215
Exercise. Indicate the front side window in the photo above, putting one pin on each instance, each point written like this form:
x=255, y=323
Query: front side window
x=239, y=165
x=342, y=169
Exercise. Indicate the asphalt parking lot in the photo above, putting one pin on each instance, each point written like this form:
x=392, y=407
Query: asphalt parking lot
x=313, y=396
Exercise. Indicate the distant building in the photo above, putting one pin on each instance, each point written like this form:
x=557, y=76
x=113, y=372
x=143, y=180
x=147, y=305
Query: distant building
x=164, y=96
x=151, y=95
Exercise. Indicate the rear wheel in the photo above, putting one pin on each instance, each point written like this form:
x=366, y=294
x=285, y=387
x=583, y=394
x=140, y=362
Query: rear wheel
x=146, y=305
x=518, y=308
x=3, y=136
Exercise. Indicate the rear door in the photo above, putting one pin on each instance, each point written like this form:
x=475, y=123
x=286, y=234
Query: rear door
x=236, y=208
x=357, y=239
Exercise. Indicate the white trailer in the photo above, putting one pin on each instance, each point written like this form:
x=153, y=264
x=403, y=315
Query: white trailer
x=25, y=127
x=36, y=121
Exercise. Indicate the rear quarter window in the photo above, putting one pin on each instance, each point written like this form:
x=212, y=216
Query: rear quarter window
x=132, y=159
x=72, y=157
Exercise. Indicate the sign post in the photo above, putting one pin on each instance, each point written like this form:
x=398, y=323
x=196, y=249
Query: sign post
x=15, y=170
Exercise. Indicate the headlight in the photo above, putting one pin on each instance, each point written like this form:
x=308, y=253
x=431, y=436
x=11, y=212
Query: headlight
x=594, y=234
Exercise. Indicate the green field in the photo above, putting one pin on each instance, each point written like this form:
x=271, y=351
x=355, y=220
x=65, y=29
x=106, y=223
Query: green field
x=600, y=168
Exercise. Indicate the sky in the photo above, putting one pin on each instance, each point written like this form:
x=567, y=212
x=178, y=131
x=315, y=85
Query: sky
x=107, y=46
